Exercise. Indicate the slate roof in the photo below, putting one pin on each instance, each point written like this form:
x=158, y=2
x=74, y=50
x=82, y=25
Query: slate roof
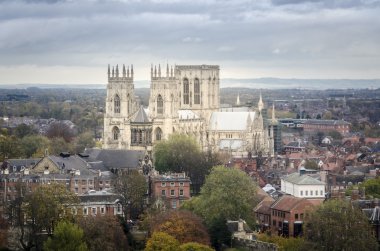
x=111, y=158
x=304, y=179
x=141, y=116
x=18, y=164
x=73, y=162
x=326, y=122
x=230, y=121
x=99, y=197
x=287, y=203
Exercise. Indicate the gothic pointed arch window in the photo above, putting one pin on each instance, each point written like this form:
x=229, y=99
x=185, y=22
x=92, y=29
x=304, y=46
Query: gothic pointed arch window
x=115, y=133
x=185, y=91
x=197, y=92
x=158, y=133
x=160, y=105
x=116, y=103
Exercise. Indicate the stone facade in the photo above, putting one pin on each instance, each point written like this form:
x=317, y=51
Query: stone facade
x=186, y=99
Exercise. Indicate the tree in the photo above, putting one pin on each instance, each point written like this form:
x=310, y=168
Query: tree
x=132, y=186
x=194, y=246
x=372, y=188
x=34, y=145
x=84, y=140
x=335, y=135
x=163, y=242
x=103, y=233
x=284, y=244
x=23, y=130
x=338, y=225
x=182, y=225
x=311, y=164
x=43, y=208
x=9, y=147
x=181, y=153
x=60, y=130
x=67, y=237
x=228, y=194
x=327, y=115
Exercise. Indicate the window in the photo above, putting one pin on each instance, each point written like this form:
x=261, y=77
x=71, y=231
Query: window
x=306, y=193
x=115, y=132
x=163, y=184
x=301, y=216
x=181, y=192
x=185, y=91
x=274, y=223
x=311, y=193
x=316, y=192
x=76, y=190
x=172, y=193
x=181, y=184
x=160, y=105
x=172, y=184
x=174, y=204
x=93, y=211
x=118, y=208
x=321, y=192
x=85, y=212
x=158, y=133
x=296, y=216
x=163, y=192
x=117, y=104
x=197, y=95
x=76, y=182
x=301, y=193
x=102, y=210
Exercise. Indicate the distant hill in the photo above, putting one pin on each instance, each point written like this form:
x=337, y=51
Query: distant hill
x=255, y=83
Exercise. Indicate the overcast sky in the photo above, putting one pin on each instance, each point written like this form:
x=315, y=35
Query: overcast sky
x=73, y=41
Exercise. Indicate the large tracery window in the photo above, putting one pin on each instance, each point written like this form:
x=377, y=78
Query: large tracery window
x=116, y=133
x=160, y=105
x=185, y=91
x=117, y=104
x=197, y=93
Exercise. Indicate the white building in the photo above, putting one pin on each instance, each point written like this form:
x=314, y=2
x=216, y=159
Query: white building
x=185, y=100
x=302, y=185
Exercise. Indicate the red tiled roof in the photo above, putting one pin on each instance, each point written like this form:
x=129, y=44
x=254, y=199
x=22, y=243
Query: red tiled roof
x=287, y=203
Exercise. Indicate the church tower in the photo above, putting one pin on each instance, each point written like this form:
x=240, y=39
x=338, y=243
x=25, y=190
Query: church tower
x=163, y=102
x=120, y=106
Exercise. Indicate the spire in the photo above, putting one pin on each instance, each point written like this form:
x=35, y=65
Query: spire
x=159, y=70
x=238, y=100
x=113, y=71
x=260, y=105
x=109, y=71
x=155, y=71
x=274, y=120
x=128, y=72
x=131, y=70
x=167, y=70
x=117, y=70
x=124, y=73
x=151, y=71
x=171, y=71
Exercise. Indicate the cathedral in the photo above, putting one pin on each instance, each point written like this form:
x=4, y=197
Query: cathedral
x=183, y=99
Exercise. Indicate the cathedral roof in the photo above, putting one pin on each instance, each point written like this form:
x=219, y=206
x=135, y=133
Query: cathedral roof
x=141, y=116
x=231, y=144
x=230, y=121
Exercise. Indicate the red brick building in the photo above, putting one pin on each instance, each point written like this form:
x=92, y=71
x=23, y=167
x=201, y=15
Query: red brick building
x=173, y=188
x=319, y=125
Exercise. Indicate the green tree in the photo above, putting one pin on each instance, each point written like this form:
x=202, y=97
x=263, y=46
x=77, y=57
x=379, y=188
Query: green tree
x=84, y=140
x=182, y=225
x=181, y=153
x=311, y=164
x=163, y=242
x=338, y=225
x=132, y=186
x=43, y=208
x=284, y=244
x=23, y=130
x=67, y=237
x=34, y=145
x=371, y=188
x=194, y=246
x=103, y=233
x=9, y=147
x=228, y=194
x=335, y=135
